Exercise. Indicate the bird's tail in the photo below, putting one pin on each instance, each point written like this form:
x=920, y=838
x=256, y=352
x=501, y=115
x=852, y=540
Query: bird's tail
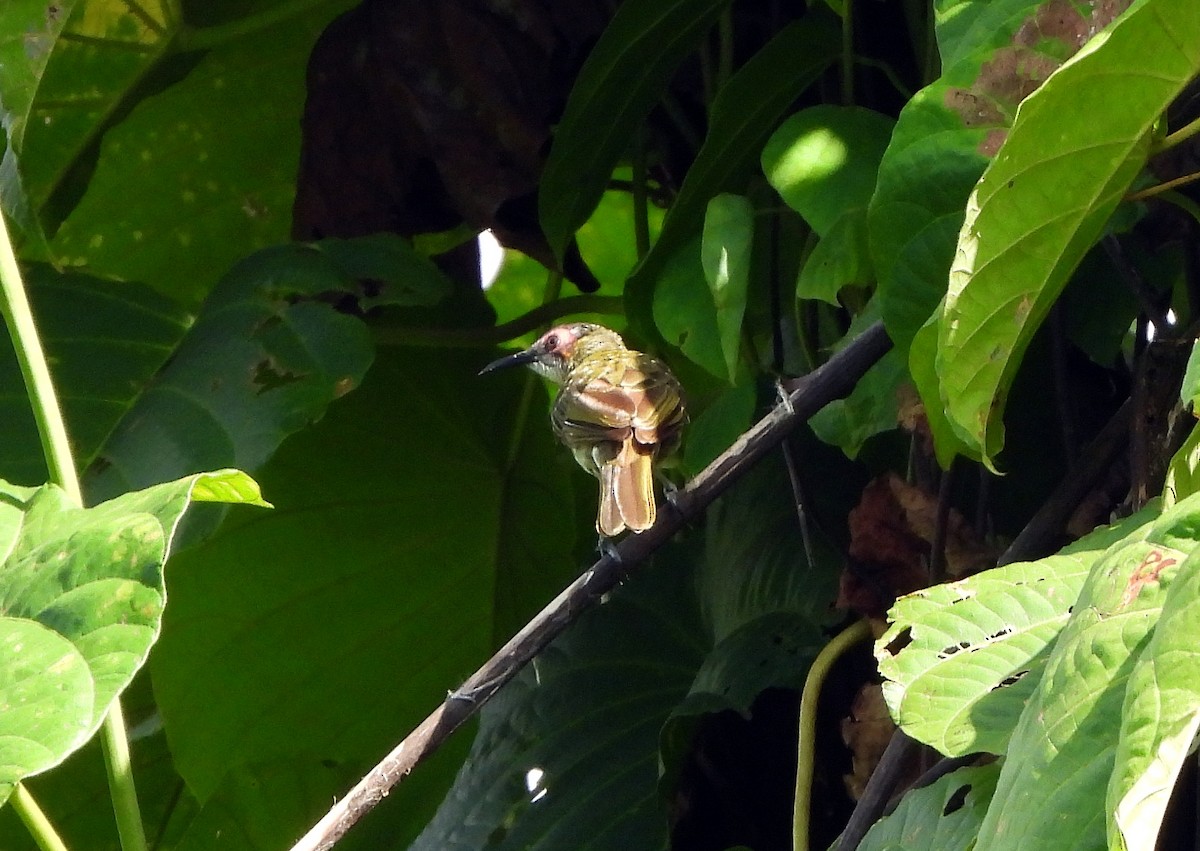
x=627, y=491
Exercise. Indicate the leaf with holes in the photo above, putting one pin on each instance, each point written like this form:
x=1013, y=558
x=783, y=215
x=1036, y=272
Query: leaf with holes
x=1045, y=200
x=960, y=660
x=82, y=594
x=1062, y=753
x=944, y=815
x=265, y=357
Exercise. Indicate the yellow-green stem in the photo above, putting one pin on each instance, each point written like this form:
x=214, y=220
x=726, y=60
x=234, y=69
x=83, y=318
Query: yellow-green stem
x=120, y=780
x=805, y=754
x=35, y=820
x=32, y=359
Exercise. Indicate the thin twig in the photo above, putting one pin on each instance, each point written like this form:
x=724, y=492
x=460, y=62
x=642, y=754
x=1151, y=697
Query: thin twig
x=937, y=549
x=833, y=380
x=882, y=785
x=1041, y=534
x=1137, y=285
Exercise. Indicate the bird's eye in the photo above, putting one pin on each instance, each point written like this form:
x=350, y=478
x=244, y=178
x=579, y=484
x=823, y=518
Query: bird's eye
x=552, y=342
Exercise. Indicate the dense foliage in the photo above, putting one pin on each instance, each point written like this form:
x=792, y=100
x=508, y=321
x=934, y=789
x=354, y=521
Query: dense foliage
x=247, y=233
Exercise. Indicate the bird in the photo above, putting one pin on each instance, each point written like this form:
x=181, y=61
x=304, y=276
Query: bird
x=618, y=410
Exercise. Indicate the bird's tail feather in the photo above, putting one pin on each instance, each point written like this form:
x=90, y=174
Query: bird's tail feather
x=627, y=492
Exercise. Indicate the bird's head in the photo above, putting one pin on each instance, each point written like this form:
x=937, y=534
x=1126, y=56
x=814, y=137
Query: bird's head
x=554, y=352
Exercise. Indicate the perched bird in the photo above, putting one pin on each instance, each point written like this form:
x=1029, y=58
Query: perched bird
x=617, y=411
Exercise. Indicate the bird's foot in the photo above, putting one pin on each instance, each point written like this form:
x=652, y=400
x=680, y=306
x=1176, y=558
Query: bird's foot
x=607, y=548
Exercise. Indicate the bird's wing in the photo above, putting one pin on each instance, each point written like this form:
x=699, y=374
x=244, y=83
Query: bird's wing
x=611, y=402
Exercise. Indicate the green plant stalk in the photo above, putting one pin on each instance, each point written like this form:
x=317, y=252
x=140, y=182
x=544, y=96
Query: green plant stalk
x=36, y=373
x=120, y=780
x=35, y=820
x=1181, y=135
x=56, y=447
x=805, y=751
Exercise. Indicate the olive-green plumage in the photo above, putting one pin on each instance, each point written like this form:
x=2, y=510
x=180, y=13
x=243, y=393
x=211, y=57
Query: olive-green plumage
x=617, y=411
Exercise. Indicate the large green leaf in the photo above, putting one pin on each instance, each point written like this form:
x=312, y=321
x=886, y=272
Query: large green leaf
x=403, y=514
x=944, y=815
x=83, y=596
x=1051, y=791
x=1045, y=200
x=823, y=161
x=1159, y=719
x=76, y=794
x=624, y=75
x=67, y=67
x=268, y=352
x=205, y=170
x=971, y=653
x=998, y=52
x=105, y=340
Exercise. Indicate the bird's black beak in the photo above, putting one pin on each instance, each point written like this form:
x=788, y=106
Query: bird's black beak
x=527, y=356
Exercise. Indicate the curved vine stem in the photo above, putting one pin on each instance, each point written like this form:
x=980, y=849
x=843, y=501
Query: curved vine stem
x=805, y=753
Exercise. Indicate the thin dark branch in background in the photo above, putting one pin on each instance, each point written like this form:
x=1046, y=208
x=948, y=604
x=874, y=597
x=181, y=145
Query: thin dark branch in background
x=944, y=766
x=982, y=502
x=884, y=782
x=807, y=395
x=937, y=553
x=1137, y=285
x=1041, y=534
x=789, y=461
x=1062, y=384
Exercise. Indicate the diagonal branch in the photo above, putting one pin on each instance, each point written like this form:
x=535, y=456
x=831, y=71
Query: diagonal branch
x=807, y=395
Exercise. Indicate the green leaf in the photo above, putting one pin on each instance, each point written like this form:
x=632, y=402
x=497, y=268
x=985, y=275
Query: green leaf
x=259, y=806
x=842, y=258
x=584, y=718
x=402, y=514
x=947, y=132
x=104, y=341
x=823, y=161
x=1159, y=719
x=1189, y=391
x=946, y=441
x=82, y=596
x=1051, y=791
x=624, y=75
x=970, y=653
x=716, y=427
x=684, y=310
x=1183, y=473
x=267, y=354
x=200, y=184
x=870, y=409
x=66, y=67
x=743, y=113
x=944, y=815
x=1021, y=241
x=725, y=255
